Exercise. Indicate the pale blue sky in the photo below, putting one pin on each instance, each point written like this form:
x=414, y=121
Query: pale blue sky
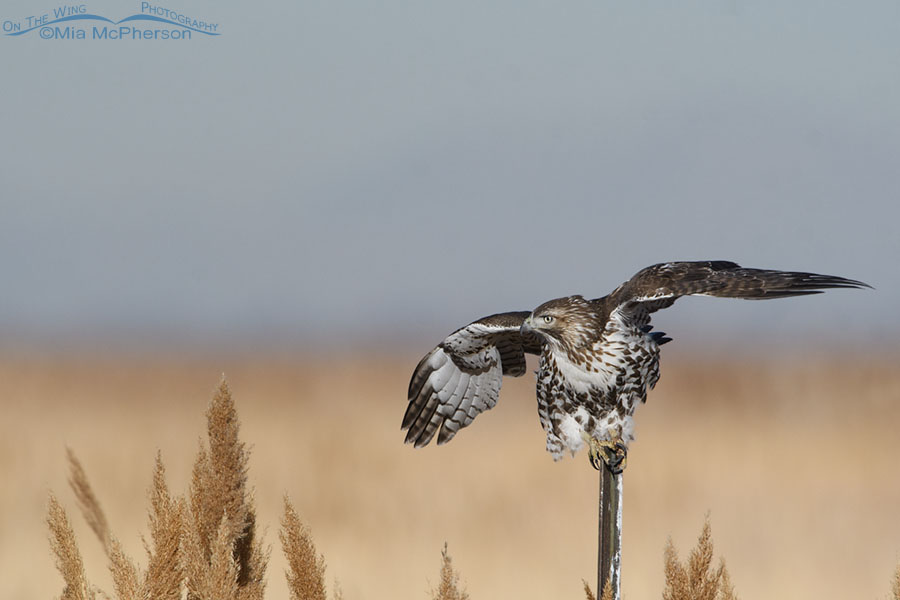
x=393, y=170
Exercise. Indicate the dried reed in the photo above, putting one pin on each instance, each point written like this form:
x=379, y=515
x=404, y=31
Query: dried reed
x=449, y=586
x=606, y=595
x=895, y=588
x=306, y=568
x=68, y=558
x=697, y=580
x=207, y=544
x=222, y=556
x=607, y=592
x=87, y=501
x=210, y=548
x=163, y=580
x=125, y=573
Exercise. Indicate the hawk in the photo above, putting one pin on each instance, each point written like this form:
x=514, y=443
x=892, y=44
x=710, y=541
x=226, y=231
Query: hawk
x=598, y=358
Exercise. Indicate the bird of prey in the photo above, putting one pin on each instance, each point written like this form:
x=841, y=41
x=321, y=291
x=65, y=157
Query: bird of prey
x=598, y=358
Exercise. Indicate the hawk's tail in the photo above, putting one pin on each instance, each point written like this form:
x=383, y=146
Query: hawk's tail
x=657, y=336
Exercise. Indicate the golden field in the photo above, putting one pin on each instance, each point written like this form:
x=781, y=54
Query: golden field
x=795, y=460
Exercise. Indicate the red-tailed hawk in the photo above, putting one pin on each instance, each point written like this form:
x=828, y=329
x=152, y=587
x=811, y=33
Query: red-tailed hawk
x=598, y=357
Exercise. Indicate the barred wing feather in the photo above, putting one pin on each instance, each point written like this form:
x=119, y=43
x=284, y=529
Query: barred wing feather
x=658, y=286
x=461, y=377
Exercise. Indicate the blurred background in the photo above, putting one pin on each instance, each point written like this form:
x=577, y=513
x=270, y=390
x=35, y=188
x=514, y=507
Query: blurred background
x=311, y=200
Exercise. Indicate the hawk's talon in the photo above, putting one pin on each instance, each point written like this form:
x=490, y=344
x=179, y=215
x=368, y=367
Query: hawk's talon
x=611, y=453
x=619, y=459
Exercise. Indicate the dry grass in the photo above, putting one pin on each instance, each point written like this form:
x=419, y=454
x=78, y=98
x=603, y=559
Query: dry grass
x=124, y=571
x=306, y=572
x=697, y=579
x=607, y=592
x=225, y=559
x=87, y=501
x=167, y=521
x=211, y=549
x=590, y=594
x=68, y=557
x=896, y=587
x=606, y=595
x=803, y=488
x=448, y=589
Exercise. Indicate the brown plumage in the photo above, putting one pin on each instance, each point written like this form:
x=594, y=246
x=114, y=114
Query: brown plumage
x=598, y=358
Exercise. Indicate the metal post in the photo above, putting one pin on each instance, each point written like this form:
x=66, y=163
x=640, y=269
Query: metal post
x=609, y=551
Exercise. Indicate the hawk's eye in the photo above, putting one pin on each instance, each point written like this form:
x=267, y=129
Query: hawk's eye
x=548, y=319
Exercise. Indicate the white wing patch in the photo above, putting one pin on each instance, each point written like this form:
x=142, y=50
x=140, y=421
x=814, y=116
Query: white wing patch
x=658, y=295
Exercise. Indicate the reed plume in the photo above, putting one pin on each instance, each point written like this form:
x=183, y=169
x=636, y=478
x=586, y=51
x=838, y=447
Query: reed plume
x=87, y=500
x=163, y=580
x=125, y=573
x=449, y=586
x=209, y=547
x=221, y=514
x=68, y=558
x=606, y=595
x=895, y=588
x=306, y=568
x=697, y=580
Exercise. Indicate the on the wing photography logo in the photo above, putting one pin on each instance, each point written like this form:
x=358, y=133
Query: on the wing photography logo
x=76, y=22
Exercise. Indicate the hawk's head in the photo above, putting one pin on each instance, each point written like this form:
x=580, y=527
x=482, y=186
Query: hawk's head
x=567, y=322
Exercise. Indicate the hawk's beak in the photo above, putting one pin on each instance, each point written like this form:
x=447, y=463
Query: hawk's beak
x=526, y=326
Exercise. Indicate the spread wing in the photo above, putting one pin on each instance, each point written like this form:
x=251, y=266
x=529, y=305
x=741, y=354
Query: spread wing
x=461, y=377
x=658, y=286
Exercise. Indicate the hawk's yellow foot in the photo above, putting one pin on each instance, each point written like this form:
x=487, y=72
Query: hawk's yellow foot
x=612, y=453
